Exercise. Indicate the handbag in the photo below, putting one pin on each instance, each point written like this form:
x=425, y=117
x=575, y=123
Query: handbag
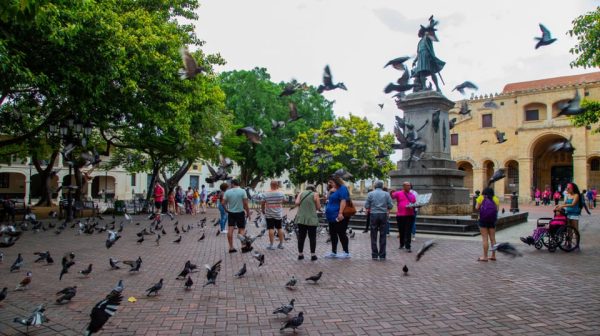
x=349, y=210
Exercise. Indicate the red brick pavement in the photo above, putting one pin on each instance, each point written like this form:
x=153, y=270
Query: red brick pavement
x=446, y=293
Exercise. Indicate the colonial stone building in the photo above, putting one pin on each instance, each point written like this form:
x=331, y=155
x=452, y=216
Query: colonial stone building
x=527, y=115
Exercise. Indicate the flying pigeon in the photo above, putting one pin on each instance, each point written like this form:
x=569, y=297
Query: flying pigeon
x=190, y=66
x=500, y=137
x=293, y=113
x=112, y=238
x=426, y=246
x=397, y=62
x=250, y=133
x=260, y=257
x=328, y=82
x=134, y=265
x=285, y=309
x=464, y=108
x=212, y=272
x=546, y=38
x=563, y=146
x=178, y=240
x=498, y=175
x=104, y=309
x=507, y=249
x=465, y=85
x=572, y=107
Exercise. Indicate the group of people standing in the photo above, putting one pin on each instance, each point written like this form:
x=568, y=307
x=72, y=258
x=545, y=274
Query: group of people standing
x=193, y=201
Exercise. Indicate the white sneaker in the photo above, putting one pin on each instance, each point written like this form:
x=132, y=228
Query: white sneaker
x=331, y=255
x=344, y=255
x=224, y=231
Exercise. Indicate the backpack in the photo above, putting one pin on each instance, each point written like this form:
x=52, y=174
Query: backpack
x=488, y=213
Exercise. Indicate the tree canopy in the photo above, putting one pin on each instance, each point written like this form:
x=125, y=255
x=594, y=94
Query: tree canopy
x=254, y=100
x=352, y=144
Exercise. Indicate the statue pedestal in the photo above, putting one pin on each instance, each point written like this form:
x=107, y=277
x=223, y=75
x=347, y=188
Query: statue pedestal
x=435, y=172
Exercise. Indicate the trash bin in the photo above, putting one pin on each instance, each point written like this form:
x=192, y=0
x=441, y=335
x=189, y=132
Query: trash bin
x=514, y=203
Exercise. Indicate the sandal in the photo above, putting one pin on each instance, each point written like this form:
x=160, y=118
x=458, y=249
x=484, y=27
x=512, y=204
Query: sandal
x=481, y=259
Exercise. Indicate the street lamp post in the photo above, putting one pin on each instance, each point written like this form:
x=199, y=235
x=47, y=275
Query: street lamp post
x=30, y=164
x=69, y=131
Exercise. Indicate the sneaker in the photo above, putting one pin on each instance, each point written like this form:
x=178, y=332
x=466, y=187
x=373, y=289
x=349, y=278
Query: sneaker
x=224, y=231
x=344, y=255
x=270, y=247
x=374, y=258
x=413, y=238
x=280, y=246
x=313, y=258
x=232, y=250
x=331, y=255
x=300, y=257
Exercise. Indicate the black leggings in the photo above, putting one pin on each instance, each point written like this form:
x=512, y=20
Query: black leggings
x=337, y=230
x=312, y=237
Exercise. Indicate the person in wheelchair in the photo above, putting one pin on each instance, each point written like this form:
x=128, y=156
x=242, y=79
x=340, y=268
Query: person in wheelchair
x=559, y=219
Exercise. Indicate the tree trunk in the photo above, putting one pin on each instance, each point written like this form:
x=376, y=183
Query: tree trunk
x=174, y=180
x=155, y=171
x=46, y=176
x=79, y=183
x=255, y=181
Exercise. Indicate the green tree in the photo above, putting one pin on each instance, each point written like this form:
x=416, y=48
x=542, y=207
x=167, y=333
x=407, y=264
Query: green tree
x=254, y=100
x=352, y=144
x=586, y=28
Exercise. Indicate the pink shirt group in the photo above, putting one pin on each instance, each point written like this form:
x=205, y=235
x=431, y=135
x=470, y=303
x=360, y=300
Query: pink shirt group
x=159, y=193
x=404, y=198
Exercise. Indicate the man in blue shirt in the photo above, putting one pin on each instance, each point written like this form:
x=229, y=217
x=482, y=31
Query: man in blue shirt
x=379, y=204
x=236, y=203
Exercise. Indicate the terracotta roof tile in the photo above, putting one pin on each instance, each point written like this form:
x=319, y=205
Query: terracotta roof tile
x=552, y=82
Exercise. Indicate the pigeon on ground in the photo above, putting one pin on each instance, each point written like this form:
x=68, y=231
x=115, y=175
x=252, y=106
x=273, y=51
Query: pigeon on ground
x=218, y=232
x=291, y=284
x=405, y=270
x=315, y=278
x=294, y=323
x=113, y=263
x=178, y=240
x=3, y=293
x=86, y=272
x=155, y=288
x=104, y=309
x=134, y=265
x=67, y=262
x=508, y=249
x=426, y=246
x=498, y=175
x=546, y=38
x=112, y=238
x=24, y=284
x=286, y=308
x=190, y=66
x=212, y=272
x=183, y=273
x=67, y=294
x=141, y=240
x=163, y=231
x=328, y=82
x=465, y=85
x=202, y=237
x=17, y=264
x=157, y=239
x=188, y=283
x=241, y=272
x=572, y=107
x=36, y=319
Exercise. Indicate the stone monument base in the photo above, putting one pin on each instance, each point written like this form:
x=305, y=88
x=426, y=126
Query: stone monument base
x=441, y=179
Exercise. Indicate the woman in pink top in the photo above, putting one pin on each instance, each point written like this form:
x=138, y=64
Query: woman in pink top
x=404, y=215
x=159, y=195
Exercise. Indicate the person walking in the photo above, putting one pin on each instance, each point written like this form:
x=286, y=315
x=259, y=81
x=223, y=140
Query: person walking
x=556, y=197
x=404, y=214
x=379, y=204
x=223, y=219
x=487, y=204
x=271, y=205
x=236, y=203
x=203, y=195
x=590, y=198
x=334, y=212
x=307, y=220
x=159, y=196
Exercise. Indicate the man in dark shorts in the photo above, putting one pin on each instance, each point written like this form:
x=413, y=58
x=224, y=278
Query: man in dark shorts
x=272, y=208
x=236, y=203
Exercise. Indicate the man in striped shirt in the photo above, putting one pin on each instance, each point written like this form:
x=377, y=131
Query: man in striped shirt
x=272, y=208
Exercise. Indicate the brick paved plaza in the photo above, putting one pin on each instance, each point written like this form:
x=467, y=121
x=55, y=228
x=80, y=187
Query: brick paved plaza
x=447, y=293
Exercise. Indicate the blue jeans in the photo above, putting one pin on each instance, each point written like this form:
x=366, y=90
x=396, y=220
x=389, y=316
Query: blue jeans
x=379, y=223
x=223, y=219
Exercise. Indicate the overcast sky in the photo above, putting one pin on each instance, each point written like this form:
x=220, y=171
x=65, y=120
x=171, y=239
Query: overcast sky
x=487, y=42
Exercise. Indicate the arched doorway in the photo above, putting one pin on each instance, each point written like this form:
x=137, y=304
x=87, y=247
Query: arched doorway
x=467, y=167
x=511, y=182
x=488, y=167
x=551, y=169
x=593, y=172
x=103, y=186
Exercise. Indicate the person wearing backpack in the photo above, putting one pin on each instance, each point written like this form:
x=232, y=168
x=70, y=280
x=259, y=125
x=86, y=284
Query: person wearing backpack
x=488, y=205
